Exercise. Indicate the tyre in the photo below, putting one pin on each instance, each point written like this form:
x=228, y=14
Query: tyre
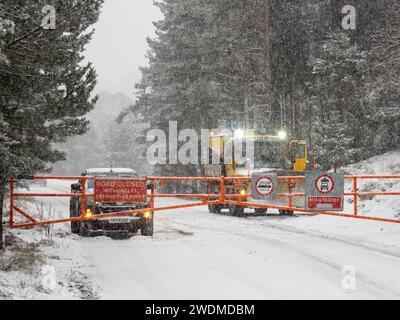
x=84, y=230
x=147, y=229
x=236, y=211
x=217, y=209
x=134, y=228
x=214, y=208
x=239, y=211
x=75, y=227
x=261, y=211
x=286, y=213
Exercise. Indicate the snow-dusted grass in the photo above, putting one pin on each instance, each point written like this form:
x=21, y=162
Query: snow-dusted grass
x=20, y=266
x=36, y=266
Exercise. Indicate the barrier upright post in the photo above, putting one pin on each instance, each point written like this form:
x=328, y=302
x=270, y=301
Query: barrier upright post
x=83, y=205
x=222, y=198
x=290, y=193
x=12, y=202
x=152, y=194
x=355, y=187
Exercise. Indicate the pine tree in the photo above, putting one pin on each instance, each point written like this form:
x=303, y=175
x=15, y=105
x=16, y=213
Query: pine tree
x=383, y=86
x=207, y=64
x=45, y=86
x=337, y=101
x=122, y=147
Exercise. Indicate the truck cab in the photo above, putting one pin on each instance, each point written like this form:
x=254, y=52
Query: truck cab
x=116, y=227
x=276, y=152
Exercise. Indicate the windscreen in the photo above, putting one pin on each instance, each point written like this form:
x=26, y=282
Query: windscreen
x=269, y=153
x=298, y=150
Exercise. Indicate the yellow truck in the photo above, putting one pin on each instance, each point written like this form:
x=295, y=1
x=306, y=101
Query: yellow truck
x=272, y=152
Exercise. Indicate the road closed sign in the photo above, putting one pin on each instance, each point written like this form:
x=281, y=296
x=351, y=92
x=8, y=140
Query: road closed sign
x=121, y=190
x=324, y=191
x=264, y=186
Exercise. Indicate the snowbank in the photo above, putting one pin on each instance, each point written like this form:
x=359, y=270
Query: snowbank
x=35, y=265
x=379, y=206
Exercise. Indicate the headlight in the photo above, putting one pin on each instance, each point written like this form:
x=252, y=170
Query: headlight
x=282, y=135
x=239, y=134
x=89, y=214
x=147, y=215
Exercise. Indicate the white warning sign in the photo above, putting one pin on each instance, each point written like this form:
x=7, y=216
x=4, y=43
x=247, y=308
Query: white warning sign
x=324, y=191
x=264, y=185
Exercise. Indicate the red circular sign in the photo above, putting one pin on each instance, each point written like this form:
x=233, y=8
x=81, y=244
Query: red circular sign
x=324, y=184
x=265, y=186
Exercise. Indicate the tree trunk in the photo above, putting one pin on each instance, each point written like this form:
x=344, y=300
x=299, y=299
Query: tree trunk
x=1, y=216
x=267, y=55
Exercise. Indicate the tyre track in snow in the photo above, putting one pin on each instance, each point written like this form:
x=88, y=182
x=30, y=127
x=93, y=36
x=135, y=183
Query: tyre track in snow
x=197, y=228
x=384, y=291
x=346, y=240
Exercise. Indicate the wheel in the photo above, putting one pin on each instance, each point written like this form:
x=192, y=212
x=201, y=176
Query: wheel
x=286, y=213
x=147, y=229
x=211, y=209
x=261, y=211
x=239, y=211
x=214, y=208
x=236, y=211
x=75, y=227
x=134, y=229
x=217, y=209
x=84, y=230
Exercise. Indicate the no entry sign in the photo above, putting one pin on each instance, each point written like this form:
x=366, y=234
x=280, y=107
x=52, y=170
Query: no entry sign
x=324, y=191
x=264, y=186
x=324, y=184
x=121, y=190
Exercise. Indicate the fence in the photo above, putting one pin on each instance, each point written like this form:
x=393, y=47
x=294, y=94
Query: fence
x=220, y=198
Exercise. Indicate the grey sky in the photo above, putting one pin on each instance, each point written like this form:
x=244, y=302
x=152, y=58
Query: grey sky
x=119, y=45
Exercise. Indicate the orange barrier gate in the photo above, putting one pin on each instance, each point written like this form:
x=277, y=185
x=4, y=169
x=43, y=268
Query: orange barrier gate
x=205, y=199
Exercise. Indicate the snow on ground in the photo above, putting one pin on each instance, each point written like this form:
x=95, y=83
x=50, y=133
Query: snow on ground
x=45, y=263
x=379, y=206
x=198, y=255
x=61, y=270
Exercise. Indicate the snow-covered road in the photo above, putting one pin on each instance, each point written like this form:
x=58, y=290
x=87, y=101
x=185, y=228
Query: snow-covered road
x=198, y=255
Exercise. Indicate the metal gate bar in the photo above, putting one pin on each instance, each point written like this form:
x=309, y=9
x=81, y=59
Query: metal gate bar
x=206, y=199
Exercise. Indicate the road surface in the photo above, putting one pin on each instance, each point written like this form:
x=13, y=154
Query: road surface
x=198, y=255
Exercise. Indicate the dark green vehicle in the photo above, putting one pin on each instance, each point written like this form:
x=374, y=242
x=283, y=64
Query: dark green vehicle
x=116, y=227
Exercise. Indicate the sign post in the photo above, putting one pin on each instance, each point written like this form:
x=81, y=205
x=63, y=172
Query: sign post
x=121, y=190
x=324, y=191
